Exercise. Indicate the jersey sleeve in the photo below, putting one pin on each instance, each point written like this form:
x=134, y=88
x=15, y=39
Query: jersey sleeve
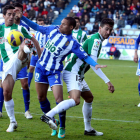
x=26, y=33
x=79, y=51
x=137, y=42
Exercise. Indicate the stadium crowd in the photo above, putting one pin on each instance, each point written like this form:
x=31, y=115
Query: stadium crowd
x=90, y=12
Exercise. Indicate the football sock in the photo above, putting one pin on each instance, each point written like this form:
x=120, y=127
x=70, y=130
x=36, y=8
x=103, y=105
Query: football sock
x=9, y=106
x=61, y=107
x=30, y=76
x=87, y=113
x=1, y=99
x=26, y=96
x=45, y=105
x=139, y=88
x=62, y=118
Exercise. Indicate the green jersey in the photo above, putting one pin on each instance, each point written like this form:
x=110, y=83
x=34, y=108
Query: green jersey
x=80, y=37
x=7, y=51
x=91, y=46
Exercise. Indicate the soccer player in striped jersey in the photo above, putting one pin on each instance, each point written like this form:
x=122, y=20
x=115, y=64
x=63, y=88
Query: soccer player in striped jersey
x=60, y=43
x=136, y=60
x=22, y=75
x=14, y=59
x=73, y=75
x=41, y=38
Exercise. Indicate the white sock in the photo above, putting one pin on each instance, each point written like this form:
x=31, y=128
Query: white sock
x=62, y=106
x=9, y=105
x=26, y=49
x=87, y=114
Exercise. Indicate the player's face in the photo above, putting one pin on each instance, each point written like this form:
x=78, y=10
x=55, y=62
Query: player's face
x=77, y=24
x=105, y=31
x=17, y=16
x=40, y=22
x=9, y=17
x=65, y=28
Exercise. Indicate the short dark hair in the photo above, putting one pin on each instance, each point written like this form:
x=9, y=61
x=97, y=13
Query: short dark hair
x=107, y=21
x=77, y=18
x=40, y=19
x=7, y=7
x=17, y=4
x=72, y=21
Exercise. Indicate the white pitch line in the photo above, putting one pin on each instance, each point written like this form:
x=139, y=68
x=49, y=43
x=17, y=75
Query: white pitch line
x=82, y=118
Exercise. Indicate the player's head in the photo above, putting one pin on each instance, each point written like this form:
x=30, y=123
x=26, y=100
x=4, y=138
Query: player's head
x=20, y=7
x=77, y=22
x=106, y=27
x=67, y=25
x=40, y=21
x=8, y=15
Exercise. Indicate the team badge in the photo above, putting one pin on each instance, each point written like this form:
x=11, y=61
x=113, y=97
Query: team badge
x=56, y=76
x=67, y=43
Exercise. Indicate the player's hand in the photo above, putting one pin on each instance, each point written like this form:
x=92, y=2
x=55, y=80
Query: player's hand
x=135, y=57
x=100, y=66
x=110, y=87
x=28, y=43
x=18, y=12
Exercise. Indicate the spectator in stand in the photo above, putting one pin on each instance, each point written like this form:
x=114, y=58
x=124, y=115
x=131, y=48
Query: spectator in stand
x=110, y=15
x=29, y=7
x=135, y=11
x=85, y=30
x=98, y=17
x=41, y=7
x=89, y=8
x=89, y=27
x=80, y=3
x=121, y=22
x=53, y=4
x=113, y=33
x=105, y=4
x=24, y=6
x=118, y=32
x=51, y=14
x=98, y=4
x=91, y=3
x=29, y=1
x=117, y=15
x=46, y=19
x=81, y=9
x=44, y=12
x=116, y=20
x=46, y=2
x=95, y=27
x=85, y=4
x=36, y=9
x=86, y=19
x=94, y=10
x=48, y=8
x=25, y=13
x=102, y=9
x=80, y=19
x=82, y=25
x=110, y=9
x=138, y=7
x=132, y=6
x=128, y=11
x=39, y=16
x=71, y=14
x=103, y=15
x=130, y=18
x=118, y=7
x=59, y=5
x=113, y=5
x=39, y=3
x=137, y=19
x=31, y=14
x=75, y=9
x=79, y=13
x=85, y=13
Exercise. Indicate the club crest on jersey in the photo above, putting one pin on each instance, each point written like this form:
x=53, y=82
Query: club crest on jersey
x=79, y=36
x=96, y=43
x=67, y=43
x=56, y=76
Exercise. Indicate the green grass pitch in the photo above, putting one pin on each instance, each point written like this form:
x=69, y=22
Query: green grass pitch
x=116, y=115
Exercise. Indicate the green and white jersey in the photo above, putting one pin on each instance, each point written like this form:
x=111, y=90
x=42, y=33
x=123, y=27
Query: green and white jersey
x=7, y=51
x=91, y=46
x=81, y=36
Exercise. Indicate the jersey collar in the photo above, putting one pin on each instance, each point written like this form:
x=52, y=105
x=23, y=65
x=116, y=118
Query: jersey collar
x=100, y=37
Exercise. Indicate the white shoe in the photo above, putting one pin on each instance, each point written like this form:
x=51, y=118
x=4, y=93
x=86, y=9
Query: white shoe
x=93, y=132
x=28, y=115
x=139, y=105
x=12, y=127
x=0, y=114
x=49, y=89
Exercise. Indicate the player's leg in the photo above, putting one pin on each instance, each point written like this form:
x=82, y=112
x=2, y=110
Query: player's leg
x=87, y=110
x=8, y=85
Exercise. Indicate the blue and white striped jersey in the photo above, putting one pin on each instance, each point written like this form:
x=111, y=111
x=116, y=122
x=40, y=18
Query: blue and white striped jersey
x=58, y=46
x=41, y=38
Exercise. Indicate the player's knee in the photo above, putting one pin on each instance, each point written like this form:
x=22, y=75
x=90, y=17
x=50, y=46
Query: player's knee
x=77, y=101
x=41, y=98
x=31, y=69
x=89, y=99
x=25, y=85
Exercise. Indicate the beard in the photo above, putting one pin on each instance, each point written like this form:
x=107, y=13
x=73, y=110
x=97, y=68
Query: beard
x=17, y=18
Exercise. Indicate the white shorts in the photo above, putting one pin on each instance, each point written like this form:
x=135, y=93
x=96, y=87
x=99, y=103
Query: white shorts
x=12, y=67
x=138, y=69
x=73, y=82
